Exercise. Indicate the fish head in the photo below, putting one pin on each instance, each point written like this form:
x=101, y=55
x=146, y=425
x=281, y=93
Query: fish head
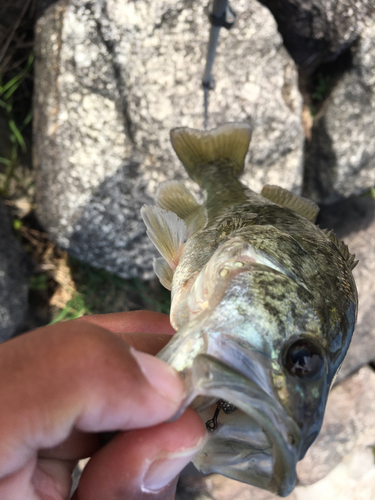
x=253, y=336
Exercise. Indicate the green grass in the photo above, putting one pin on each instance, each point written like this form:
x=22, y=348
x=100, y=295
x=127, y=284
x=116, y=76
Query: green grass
x=8, y=93
x=75, y=308
x=100, y=292
x=38, y=282
x=370, y=193
x=321, y=86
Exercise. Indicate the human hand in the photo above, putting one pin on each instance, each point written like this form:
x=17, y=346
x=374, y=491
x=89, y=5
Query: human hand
x=63, y=385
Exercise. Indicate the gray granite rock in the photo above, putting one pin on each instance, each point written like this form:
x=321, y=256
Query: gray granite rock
x=349, y=423
x=317, y=31
x=216, y=487
x=352, y=479
x=14, y=278
x=353, y=221
x=340, y=157
x=111, y=80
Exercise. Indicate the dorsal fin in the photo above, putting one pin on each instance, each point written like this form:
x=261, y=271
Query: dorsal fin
x=342, y=248
x=166, y=231
x=225, y=145
x=163, y=272
x=302, y=206
x=175, y=197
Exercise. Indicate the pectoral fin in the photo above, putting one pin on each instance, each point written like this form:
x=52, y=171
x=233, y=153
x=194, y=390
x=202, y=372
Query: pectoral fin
x=302, y=206
x=163, y=272
x=166, y=231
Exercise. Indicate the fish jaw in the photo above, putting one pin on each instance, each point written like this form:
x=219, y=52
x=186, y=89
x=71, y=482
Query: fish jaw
x=259, y=443
x=266, y=440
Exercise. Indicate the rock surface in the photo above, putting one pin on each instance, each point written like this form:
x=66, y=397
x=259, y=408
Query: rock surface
x=316, y=31
x=14, y=277
x=113, y=79
x=353, y=221
x=340, y=157
x=352, y=479
x=340, y=462
x=348, y=424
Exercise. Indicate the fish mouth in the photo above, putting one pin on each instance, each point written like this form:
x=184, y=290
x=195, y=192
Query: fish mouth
x=258, y=443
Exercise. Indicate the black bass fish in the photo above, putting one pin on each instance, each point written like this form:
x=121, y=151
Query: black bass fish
x=264, y=304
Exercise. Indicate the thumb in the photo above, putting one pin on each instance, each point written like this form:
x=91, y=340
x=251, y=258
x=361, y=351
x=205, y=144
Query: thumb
x=143, y=464
x=77, y=376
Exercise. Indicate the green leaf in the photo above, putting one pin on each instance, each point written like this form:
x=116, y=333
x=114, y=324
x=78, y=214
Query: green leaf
x=5, y=161
x=17, y=224
x=38, y=282
x=29, y=62
x=14, y=83
x=74, y=308
x=17, y=134
x=370, y=193
x=27, y=119
x=12, y=89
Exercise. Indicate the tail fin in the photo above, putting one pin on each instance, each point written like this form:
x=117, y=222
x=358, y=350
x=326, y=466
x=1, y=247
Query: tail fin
x=226, y=145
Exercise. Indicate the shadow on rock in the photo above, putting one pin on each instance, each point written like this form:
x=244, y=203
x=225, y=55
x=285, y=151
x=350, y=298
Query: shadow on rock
x=15, y=271
x=109, y=232
x=348, y=216
x=353, y=220
x=318, y=183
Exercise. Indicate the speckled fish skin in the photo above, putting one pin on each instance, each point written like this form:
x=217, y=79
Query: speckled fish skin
x=257, y=290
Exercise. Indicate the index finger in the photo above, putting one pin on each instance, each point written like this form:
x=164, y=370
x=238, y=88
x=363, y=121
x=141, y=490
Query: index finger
x=146, y=331
x=132, y=322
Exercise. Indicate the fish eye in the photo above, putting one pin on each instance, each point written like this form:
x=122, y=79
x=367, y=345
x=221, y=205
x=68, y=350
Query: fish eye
x=304, y=359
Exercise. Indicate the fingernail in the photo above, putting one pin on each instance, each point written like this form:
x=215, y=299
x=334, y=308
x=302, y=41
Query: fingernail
x=160, y=375
x=165, y=468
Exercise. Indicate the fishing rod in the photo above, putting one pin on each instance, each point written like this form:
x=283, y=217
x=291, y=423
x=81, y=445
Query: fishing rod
x=220, y=15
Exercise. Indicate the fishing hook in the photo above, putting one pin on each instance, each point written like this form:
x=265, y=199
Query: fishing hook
x=228, y=408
